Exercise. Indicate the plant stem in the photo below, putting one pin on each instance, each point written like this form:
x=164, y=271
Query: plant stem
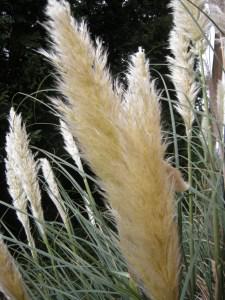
x=206, y=107
x=179, y=205
x=215, y=216
x=216, y=237
x=191, y=215
x=90, y=202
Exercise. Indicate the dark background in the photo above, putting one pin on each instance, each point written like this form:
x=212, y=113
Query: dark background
x=123, y=26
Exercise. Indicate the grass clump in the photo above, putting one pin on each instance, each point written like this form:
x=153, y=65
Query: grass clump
x=148, y=242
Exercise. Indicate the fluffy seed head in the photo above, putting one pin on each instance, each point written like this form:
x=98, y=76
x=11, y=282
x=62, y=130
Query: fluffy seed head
x=182, y=43
x=24, y=165
x=189, y=19
x=18, y=195
x=124, y=148
x=52, y=189
x=70, y=145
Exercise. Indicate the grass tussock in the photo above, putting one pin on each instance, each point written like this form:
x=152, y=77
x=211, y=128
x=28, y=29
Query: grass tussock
x=158, y=236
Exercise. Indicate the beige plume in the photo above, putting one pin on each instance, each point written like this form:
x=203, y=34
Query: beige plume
x=124, y=147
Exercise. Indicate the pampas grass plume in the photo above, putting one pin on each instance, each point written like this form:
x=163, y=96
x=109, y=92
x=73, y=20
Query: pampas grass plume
x=189, y=19
x=148, y=235
x=11, y=282
x=17, y=193
x=84, y=66
x=183, y=77
x=24, y=165
x=124, y=147
x=186, y=41
x=137, y=101
x=71, y=147
x=53, y=190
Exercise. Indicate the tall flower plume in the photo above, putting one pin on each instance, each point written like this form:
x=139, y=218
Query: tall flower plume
x=80, y=63
x=17, y=193
x=185, y=41
x=53, y=190
x=190, y=19
x=71, y=147
x=124, y=147
x=24, y=166
x=148, y=188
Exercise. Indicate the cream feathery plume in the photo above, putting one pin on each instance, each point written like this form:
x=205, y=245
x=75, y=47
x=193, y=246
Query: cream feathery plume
x=148, y=234
x=135, y=104
x=189, y=19
x=11, y=282
x=82, y=65
x=183, y=77
x=24, y=165
x=70, y=145
x=53, y=190
x=124, y=150
x=72, y=149
x=17, y=193
x=132, y=92
x=187, y=36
